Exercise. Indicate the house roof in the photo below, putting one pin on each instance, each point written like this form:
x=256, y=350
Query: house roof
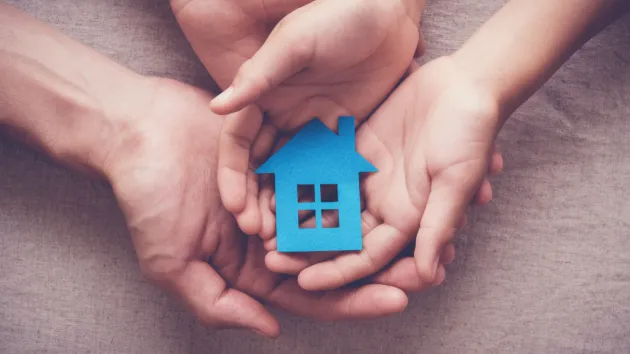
x=315, y=149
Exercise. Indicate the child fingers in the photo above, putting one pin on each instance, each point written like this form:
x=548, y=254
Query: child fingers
x=484, y=194
x=237, y=135
x=293, y=263
x=496, y=162
x=448, y=199
x=268, y=227
x=286, y=263
x=250, y=219
x=379, y=247
x=263, y=144
x=402, y=274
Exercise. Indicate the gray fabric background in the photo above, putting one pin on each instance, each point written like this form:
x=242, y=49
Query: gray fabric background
x=544, y=269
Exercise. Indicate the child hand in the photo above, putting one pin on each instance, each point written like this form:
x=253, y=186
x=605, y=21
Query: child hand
x=326, y=59
x=432, y=142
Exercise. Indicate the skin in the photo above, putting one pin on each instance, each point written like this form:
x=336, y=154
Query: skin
x=294, y=60
x=432, y=156
x=155, y=141
x=432, y=139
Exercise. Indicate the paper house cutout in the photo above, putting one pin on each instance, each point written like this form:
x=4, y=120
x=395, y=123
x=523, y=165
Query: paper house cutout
x=316, y=158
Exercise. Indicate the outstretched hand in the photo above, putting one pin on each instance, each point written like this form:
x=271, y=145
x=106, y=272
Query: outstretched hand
x=432, y=142
x=323, y=58
x=163, y=171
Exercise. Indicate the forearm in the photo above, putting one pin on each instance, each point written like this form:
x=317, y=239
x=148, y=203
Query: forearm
x=522, y=45
x=66, y=98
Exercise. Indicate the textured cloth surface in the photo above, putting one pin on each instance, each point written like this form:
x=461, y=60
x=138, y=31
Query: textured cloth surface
x=545, y=268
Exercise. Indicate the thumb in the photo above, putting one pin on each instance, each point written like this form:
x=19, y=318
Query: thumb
x=216, y=306
x=286, y=52
x=450, y=194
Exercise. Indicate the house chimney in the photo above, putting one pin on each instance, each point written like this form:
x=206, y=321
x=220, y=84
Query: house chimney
x=346, y=128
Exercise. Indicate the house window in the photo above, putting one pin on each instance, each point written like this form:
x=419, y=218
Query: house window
x=323, y=201
x=306, y=193
x=330, y=218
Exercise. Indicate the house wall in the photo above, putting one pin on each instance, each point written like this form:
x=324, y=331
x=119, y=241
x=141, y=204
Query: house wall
x=291, y=238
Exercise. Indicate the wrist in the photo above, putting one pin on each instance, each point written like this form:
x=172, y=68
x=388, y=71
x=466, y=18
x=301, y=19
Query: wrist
x=473, y=95
x=523, y=44
x=78, y=126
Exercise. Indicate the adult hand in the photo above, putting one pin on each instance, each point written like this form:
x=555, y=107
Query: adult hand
x=432, y=142
x=324, y=58
x=163, y=171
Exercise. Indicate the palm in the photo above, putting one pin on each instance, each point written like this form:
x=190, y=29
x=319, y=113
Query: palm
x=164, y=177
x=355, y=56
x=296, y=59
x=224, y=33
x=431, y=142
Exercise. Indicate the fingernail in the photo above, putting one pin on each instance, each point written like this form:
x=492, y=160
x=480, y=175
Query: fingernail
x=225, y=95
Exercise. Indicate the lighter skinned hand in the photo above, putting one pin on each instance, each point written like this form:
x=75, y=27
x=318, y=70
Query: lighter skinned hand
x=432, y=142
x=324, y=58
x=163, y=172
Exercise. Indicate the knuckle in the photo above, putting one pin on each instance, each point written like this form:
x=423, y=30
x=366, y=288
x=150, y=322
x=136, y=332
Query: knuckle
x=240, y=141
x=251, y=75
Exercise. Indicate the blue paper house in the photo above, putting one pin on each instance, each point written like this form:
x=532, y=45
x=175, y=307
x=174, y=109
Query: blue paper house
x=317, y=160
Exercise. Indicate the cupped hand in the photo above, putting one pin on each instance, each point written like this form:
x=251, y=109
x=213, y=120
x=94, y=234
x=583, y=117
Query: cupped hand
x=295, y=59
x=432, y=142
x=163, y=172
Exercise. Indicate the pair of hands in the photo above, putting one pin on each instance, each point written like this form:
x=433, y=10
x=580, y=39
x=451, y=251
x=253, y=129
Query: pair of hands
x=163, y=172
x=296, y=59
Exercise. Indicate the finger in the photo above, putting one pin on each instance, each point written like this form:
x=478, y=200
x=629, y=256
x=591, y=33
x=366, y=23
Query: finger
x=447, y=202
x=368, y=301
x=484, y=194
x=448, y=254
x=496, y=162
x=250, y=219
x=403, y=275
x=286, y=52
x=237, y=135
x=216, y=306
x=379, y=247
x=294, y=263
x=263, y=144
x=286, y=263
x=268, y=228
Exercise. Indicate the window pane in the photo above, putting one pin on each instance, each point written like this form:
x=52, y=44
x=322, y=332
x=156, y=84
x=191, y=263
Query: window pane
x=308, y=223
x=306, y=193
x=329, y=193
x=330, y=218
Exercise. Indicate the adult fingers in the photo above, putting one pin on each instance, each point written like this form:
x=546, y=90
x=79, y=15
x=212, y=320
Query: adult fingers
x=368, y=301
x=206, y=294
